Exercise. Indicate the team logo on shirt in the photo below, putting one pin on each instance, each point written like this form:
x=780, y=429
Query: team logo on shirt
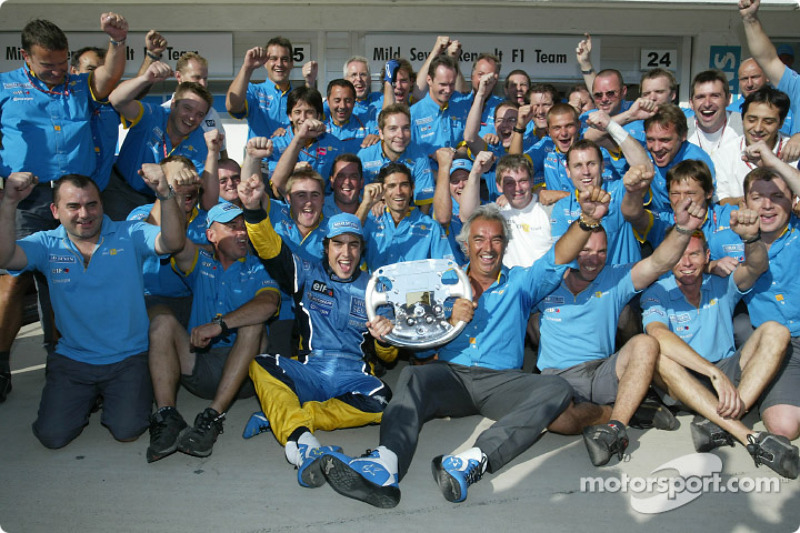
x=56, y=258
x=320, y=287
x=680, y=318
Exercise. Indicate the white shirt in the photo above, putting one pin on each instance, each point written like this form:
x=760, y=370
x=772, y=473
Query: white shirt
x=731, y=170
x=711, y=142
x=530, y=234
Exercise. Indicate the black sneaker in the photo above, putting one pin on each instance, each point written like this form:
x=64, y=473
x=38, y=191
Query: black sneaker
x=5, y=385
x=200, y=439
x=653, y=414
x=165, y=426
x=776, y=452
x=604, y=440
x=707, y=436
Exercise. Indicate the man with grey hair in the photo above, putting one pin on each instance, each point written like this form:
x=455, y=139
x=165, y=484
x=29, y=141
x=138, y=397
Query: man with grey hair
x=476, y=373
x=368, y=104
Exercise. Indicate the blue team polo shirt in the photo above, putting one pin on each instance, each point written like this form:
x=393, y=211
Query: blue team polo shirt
x=46, y=132
x=708, y=329
x=147, y=142
x=102, y=320
x=351, y=133
x=105, y=134
x=416, y=236
x=319, y=154
x=373, y=160
x=623, y=247
x=790, y=84
x=216, y=290
x=554, y=164
x=776, y=293
x=718, y=219
x=265, y=109
x=159, y=278
x=433, y=127
x=579, y=328
x=658, y=187
x=495, y=338
x=487, y=113
x=308, y=248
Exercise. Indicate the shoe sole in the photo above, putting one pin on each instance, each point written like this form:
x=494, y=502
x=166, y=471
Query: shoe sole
x=311, y=477
x=350, y=483
x=662, y=418
x=185, y=448
x=450, y=487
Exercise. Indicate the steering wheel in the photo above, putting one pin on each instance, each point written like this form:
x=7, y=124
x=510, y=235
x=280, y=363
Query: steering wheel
x=417, y=291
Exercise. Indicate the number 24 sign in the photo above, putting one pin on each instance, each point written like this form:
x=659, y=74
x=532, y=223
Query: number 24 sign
x=666, y=59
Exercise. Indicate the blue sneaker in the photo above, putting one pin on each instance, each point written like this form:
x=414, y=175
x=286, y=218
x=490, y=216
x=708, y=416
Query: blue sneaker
x=309, y=474
x=366, y=478
x=257, y=424
x=454, y=475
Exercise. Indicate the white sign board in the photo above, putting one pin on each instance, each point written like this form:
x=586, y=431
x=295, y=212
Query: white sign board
x=666, y=59
x=542, y=57
x=217, y=47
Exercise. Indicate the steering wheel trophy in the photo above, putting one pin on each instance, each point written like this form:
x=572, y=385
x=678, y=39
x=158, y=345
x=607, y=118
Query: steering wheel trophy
x=417, y=290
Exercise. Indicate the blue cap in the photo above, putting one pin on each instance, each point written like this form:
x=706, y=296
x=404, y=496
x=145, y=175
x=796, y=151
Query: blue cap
x=461, y=163
x=344, y=223
x=223, y=212
x=785, y=49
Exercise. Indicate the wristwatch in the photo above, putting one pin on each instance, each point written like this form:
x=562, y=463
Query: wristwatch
x=218, y=320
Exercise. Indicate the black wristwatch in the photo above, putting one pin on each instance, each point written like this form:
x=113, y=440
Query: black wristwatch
x=218, y=320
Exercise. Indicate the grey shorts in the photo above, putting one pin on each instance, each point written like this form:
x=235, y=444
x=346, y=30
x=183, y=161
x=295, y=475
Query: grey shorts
x=785, y=388
x=208, y=367
x=592, y=381
x=180, y=307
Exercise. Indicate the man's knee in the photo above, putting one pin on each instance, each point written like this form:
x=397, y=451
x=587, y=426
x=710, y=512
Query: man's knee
x=55, y=437
x=783, y=420
x=126, y=431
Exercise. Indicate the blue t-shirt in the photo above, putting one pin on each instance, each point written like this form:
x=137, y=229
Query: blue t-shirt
x=147, y=142
x=101, y=320
x=265, y=109
x=707, y=329
x=577, y=328
x=46, y=132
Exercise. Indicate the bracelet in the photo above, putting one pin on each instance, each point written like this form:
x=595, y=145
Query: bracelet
x=684, y=231
x=218, y=320
x=170, y=195
x=586, y=226
x=754, y=239
x=519, y=130
x=587, y=71
x=153, y=56
x=616, y=132
x=117, y=44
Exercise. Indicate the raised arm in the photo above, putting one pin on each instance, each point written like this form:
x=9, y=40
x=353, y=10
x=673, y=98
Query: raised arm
x=761, y=48
x=154, y=44
x=518, y=135
x=594, y=206
x=637, y=182
x=17, y=187
x=170, y=183
x=372, y=194
x=473, y=125
x=105, y=77
x=210, y=178
x=123, y=98
x=442, y=200
x=420, y=88
x=256, y=150
x=747, y=225
x=236, y=99
x=308, y=130
x=471, y=193
x=583, y=53
x=689, y=218
x=760, y=154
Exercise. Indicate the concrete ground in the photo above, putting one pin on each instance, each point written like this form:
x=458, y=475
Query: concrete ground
x=98, y=484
